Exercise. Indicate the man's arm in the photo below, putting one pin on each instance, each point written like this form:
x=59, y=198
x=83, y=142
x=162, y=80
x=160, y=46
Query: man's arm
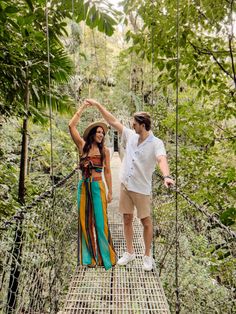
x=107, y=115
x=164, y=167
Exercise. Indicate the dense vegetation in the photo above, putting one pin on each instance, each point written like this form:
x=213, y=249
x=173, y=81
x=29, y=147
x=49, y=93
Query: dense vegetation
x=129, y=67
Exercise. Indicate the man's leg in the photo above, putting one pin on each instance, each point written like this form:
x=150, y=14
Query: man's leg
x=147, y=234
x=129, y=255
x=128, y=232
x=126, y=207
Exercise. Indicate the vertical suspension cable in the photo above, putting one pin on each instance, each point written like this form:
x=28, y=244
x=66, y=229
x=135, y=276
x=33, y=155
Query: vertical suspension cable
x=72, y=25
x=142, y=82
x=53, y=269
x=72, y=9
x=152, y=100
x=177, y=305
x=50, y=97
x=152, y=53
x=105, y=56
x=75, y=98
x=74, y=82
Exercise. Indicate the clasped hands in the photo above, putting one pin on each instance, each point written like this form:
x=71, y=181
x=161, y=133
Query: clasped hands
x=90, y=102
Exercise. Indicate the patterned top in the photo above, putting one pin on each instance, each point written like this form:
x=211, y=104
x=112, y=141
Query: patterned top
x=89, y=163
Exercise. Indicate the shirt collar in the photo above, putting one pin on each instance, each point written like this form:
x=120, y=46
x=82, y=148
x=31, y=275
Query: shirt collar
x=151, y=137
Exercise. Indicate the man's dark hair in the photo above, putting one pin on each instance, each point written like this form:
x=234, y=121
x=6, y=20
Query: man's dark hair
x=143, y=118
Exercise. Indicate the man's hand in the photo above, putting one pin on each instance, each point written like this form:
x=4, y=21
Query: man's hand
x=108, y=116
x=168, y=182
x=84, y=105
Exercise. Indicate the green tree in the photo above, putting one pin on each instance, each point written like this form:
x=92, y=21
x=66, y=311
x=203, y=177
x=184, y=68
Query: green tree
x=31, y=69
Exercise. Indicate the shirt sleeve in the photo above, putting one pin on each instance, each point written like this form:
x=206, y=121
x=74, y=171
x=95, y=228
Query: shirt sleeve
x=126, y=134
x=160, y=148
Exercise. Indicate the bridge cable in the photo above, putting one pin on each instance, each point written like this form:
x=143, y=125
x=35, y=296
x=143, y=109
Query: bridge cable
x=177, y=291
x=50, y=97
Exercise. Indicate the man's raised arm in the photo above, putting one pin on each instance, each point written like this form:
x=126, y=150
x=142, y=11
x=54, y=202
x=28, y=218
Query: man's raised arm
x=107, y=115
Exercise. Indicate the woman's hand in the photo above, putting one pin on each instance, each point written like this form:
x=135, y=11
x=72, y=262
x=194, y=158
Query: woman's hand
x=109, y=197
x=84, y=105
x=92, y=102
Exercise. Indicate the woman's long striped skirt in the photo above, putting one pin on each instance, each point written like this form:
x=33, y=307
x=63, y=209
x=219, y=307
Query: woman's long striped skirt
x=95, y=243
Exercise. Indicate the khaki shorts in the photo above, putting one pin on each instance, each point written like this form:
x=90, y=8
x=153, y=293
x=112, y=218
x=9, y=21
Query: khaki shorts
x=129, y=200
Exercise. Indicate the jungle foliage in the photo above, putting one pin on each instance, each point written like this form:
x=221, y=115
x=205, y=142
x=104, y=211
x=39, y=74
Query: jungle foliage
x=132, y=67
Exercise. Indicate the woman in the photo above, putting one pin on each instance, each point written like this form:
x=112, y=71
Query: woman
x=96, y=247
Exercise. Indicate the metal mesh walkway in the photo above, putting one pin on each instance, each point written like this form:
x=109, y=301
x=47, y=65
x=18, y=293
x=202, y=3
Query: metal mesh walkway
x=128, y=290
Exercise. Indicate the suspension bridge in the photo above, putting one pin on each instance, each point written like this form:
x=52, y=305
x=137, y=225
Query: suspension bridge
x=39, y=272
x=91, y=290
x=38, y=244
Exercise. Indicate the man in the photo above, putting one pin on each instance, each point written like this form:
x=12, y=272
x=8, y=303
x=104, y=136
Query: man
x=142, y=152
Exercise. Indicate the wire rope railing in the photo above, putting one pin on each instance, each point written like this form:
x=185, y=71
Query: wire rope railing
x=207, y=249
x=42, y=236
x=48, y=255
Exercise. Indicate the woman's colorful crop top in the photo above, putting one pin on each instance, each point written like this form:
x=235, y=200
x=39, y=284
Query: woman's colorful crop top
x=89, y=163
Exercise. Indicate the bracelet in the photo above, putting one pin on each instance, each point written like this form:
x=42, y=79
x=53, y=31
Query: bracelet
x=164, y=177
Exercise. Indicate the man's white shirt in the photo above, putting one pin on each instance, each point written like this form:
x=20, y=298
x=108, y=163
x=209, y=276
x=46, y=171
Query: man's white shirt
x=139, y=161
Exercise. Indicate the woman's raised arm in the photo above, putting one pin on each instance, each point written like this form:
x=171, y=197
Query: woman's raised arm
x=79, y=141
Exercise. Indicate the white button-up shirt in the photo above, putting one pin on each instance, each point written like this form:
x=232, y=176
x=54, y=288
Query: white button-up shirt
x=139, y=161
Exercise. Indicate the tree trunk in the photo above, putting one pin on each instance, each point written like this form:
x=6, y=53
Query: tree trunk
x=18, y=236
x=23, y=162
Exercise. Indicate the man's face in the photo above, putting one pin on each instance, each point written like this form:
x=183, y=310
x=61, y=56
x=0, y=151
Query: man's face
x=137, y=127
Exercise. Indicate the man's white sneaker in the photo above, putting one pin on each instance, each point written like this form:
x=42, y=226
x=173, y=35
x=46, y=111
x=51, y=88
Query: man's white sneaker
x=126, y=258
x=147, y=263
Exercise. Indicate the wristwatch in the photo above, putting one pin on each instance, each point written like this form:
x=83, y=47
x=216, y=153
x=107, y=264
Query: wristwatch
x=164, y=177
